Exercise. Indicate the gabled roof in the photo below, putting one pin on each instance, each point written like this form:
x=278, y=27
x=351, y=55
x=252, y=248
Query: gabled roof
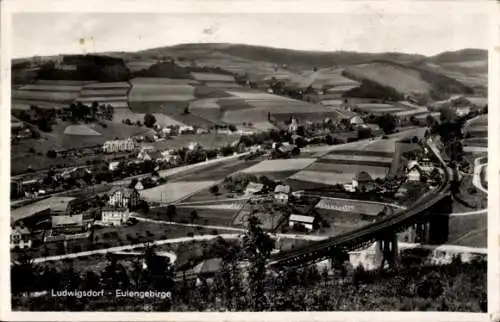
x=209, y=266
x=254, y=187
x=125, y=190
x=67, y=220
x=302, y=218
x=363, y=176
x=282, y=189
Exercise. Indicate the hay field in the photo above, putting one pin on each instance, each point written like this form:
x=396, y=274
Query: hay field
x=172, y=192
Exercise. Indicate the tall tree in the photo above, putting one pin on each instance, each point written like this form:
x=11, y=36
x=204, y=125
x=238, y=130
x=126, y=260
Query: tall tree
x=257, y=246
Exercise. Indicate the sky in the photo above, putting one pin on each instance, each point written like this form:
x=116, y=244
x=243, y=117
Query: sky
x=428, y=34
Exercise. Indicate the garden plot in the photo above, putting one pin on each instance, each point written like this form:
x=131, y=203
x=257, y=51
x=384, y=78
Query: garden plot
x=350, y=206
x=172, y=192
x=280, y=165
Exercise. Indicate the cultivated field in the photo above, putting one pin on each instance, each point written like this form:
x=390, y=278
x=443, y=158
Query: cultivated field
x=163, y=120
x=147, y=91
x=279, y=165
x=404, y=80
x=211, y=77
x=172, y=192
x=80, y=130
x=350, y=206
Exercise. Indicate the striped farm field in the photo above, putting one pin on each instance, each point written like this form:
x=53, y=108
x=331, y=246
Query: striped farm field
x=101, y=99
x=64, y=82
x=352, y=169
x=258, y=96
x=150, y=92
x=48, y=96
x=172, y=192
x=17, y=104
x=322, y=177
x=104, y=92
x=357, y=159
x=51, y=88
x=212, y=77
x=280, y=165
x=163, y=81
x=222, y=85
x=112, y=85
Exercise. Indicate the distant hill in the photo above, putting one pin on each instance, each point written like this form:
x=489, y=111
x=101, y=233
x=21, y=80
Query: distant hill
x=463, y=55
x=279, y=56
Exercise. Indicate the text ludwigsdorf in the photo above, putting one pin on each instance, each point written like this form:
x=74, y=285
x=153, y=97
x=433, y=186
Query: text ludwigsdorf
x=116, y=293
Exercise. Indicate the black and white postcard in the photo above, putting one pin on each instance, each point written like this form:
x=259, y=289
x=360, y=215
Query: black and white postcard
x=233, y=156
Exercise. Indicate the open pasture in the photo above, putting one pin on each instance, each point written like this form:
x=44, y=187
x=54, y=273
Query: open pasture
x=173, y=109
x=125, y=113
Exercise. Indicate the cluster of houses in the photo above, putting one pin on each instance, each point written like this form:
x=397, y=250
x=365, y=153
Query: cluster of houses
x=62, y=218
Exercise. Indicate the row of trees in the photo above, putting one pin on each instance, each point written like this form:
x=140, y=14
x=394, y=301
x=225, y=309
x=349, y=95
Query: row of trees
x=411, y=286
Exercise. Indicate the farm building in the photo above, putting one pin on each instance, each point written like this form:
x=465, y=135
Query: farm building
x=113, y=165
x=205, y=270
x=20, y=237
x=115, y=216
x=309, y=222
x=361, y=179
x=118, y=146
x=415, y=172
x=253, y=188
x=282, y=193
x=70, y=224
x=124, y=197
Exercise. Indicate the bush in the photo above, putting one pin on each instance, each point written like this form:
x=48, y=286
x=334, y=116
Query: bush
x=51, y=154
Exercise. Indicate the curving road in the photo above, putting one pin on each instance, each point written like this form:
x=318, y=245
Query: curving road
x=353, y=239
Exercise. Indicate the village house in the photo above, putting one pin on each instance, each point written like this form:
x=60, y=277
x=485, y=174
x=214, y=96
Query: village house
x=20, y=237
x=139, y=186
x=118, y=146
x=253, y=188
x=309, y=222
x=186, y=129
x=124, y=197
x=361, y=180
x=115, y=216
x=201, y=131
x=193, y=146
x=282, y=193
x=414, y=171
x=113, y=165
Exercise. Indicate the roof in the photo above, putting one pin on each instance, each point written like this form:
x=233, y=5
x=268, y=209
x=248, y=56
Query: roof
x=254, y=187
x=125, y=190
x=209, y=266
x=363, y=176
x=282, y=189
x=302, y=218
x=67, y=220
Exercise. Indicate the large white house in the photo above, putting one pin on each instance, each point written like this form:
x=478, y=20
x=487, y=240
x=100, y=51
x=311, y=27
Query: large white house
x=20, y=237
x=118, y=146
x=282, y=193
x=124, y=197
x=115, y=216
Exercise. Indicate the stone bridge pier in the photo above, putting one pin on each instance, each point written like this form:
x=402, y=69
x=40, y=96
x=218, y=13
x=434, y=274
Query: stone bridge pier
x=386, y=251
